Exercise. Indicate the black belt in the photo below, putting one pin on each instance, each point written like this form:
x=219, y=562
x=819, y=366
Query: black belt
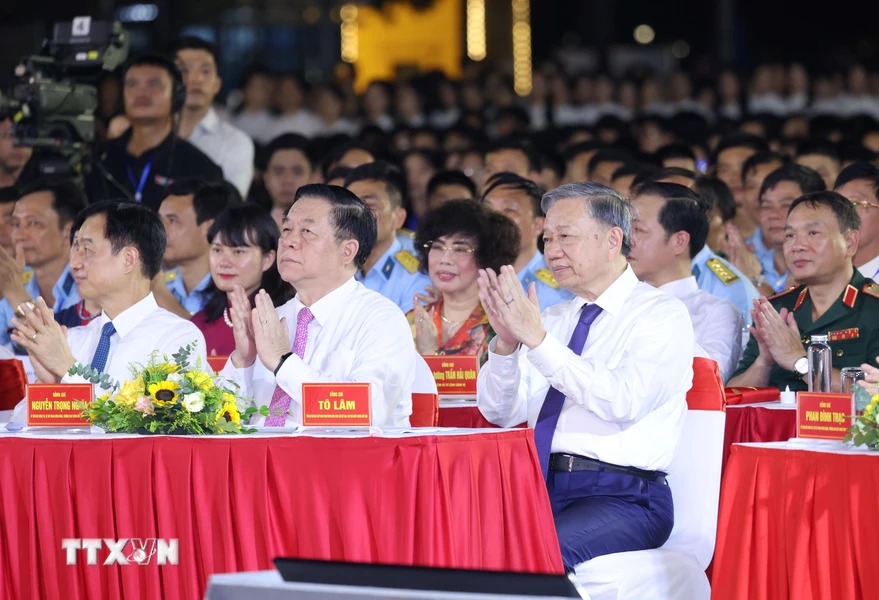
x=572, y=462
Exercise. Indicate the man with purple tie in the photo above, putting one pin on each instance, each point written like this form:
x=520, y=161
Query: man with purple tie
x=609, y=408
x=343, y=331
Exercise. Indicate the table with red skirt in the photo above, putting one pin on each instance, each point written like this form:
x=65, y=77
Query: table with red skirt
x=760, y=422
x=798, y=520
x=471, y=500
x=463, y=412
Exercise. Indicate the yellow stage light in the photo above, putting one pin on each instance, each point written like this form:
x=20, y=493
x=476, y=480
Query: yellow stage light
x=522, y=47
x=349, y=33
x=476, y=29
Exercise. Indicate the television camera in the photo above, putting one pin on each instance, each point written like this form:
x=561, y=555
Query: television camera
x=52, y=99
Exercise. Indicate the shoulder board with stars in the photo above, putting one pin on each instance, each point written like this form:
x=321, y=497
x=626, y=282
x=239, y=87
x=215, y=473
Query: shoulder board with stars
x=721, y=271
x=408, y=260
x=545, y=275
x=170, y=276
x=871, y=289
x=26, y=277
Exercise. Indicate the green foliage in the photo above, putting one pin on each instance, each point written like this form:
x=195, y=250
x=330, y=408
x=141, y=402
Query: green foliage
x=865, y=431
x=94, y=376
x=182, y=356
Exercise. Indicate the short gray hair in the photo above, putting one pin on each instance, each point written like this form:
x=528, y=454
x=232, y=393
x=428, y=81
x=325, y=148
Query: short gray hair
x=602, y=204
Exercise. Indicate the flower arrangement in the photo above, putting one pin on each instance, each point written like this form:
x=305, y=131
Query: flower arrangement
x=865, y=429
x=167, y=396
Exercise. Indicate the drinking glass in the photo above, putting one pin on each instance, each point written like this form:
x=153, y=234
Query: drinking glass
x=849, y=378
x=848, y=384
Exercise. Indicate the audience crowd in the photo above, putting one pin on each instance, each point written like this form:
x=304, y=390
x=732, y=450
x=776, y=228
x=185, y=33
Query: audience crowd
x=310, y=233
x=712, y=168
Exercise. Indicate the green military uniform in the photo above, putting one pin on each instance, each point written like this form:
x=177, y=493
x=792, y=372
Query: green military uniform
x=851, y=324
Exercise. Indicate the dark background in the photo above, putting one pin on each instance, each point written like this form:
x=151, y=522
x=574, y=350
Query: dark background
x=824, y=36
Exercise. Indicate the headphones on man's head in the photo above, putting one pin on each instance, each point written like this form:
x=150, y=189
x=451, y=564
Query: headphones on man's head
x=178, y=87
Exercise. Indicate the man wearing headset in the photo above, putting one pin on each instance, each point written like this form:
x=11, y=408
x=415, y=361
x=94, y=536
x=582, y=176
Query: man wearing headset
x=141, y=163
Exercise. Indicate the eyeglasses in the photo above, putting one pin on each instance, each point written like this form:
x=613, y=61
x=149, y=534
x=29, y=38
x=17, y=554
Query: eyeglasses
x=864, y=204
x=458, y=249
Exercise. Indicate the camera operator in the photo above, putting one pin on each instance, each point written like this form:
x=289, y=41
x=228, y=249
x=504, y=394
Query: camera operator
x=147, y=158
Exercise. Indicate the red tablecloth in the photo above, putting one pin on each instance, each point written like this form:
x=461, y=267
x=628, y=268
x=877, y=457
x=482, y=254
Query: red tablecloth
x=463, y=416
x=466, y=415
x=472, y=501
x=797, y=524
x=746, y=424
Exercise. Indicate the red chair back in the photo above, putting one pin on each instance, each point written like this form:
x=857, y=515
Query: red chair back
x=13, y=382
x=707, y=390
x=425, y=410
x=217, y=362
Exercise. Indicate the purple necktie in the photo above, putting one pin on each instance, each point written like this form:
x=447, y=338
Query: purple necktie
x=280, y=403
x=552, y=404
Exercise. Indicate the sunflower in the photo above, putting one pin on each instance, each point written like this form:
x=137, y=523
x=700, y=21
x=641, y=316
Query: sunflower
x=164, y=393
x=230, y=411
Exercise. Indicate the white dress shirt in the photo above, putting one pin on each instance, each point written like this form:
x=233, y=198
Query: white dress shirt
x=358, y=336
x=625, y=394
x=303, y=122
x=717, y=323
x=228, y=146
x=140, y=329
x=260, y=126
x=870, y=269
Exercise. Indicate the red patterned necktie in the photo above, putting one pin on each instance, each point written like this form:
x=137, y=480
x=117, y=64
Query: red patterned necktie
x=280, y=403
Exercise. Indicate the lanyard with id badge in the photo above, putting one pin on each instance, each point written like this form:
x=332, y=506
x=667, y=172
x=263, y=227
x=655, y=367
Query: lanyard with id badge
x=139, y=185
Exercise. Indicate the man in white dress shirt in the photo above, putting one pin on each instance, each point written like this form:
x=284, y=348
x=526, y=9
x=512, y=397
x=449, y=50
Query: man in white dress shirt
x=859, y=182
x=117, y=250
x=607, y=415
x=225, y=144
x=670, y=227
x=335, y=329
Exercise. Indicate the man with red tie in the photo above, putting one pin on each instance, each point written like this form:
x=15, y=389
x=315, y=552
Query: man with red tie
x=339, y=331
x=609, y=408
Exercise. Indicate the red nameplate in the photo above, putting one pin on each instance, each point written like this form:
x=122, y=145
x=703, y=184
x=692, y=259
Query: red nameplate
x=217, y=362
x=455, y=374
x=823, y=416
x=58, y=404
x=336, y=405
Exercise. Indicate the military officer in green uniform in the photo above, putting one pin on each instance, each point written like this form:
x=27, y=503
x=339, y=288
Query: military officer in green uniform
x=834, y=299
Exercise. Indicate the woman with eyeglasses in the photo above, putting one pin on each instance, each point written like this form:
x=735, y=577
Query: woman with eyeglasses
x=453, y=242
x=244, y=243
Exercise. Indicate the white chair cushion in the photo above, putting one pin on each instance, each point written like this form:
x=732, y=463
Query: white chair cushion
x=644, y=575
